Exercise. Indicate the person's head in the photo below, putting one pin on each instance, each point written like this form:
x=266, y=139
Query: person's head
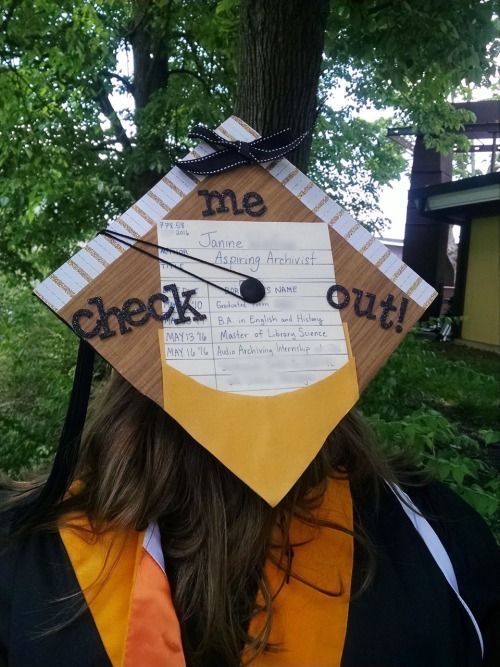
x=137, y=465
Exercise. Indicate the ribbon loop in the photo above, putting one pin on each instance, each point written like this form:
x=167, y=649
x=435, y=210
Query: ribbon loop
x=244, y=150
x=209, y=136
x=231, y=154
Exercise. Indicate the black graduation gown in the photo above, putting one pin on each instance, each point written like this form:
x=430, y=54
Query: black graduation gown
x=408, y=617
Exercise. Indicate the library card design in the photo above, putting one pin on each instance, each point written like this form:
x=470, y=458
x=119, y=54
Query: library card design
x=290, y=339
x=247, y=304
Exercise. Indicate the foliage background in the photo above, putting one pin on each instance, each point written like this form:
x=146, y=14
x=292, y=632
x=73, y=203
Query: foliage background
x=70, y=160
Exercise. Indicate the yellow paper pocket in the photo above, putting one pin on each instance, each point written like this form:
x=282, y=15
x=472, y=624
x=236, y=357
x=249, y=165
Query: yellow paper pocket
x=266, y=441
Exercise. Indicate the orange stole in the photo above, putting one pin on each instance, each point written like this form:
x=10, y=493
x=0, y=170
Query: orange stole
x=105, y=566
x=130, y=599
x=128, y=596
x=154, y=636
x=309, y=627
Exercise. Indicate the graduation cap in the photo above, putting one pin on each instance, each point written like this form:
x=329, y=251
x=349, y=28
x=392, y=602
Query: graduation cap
x=246, y=303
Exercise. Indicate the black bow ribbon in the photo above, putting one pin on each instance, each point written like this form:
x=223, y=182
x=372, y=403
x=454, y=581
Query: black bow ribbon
x=232, y=154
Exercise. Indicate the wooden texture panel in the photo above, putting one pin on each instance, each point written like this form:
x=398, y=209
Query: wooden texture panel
x=136, y=355
x=371, y=344
x=281, y=204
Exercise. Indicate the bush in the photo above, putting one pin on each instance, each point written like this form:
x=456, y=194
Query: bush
x=37, y=357
x=437, y=403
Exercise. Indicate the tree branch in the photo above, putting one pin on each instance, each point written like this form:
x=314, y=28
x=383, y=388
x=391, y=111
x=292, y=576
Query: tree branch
x=197, y=62
x=127, y=83
x=116, y=124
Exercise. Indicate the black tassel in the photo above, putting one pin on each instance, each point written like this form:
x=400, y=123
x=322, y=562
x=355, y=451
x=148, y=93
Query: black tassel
x=40, y=505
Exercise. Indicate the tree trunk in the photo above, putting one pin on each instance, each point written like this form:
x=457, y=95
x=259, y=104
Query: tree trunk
x=281, y=48
x=149, y=44
x=149, y=40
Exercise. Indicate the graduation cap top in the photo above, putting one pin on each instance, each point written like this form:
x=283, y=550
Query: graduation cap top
x=270, y=311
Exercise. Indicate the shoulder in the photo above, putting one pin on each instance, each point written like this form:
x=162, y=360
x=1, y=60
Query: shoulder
x=407, y=607
x=464, y=533
x=8, y=559
x=468, y=541
x=33, y=572
x=439, y=497
x=462, y=530
x=474, y=554
x=21, y=560
x=39, y=592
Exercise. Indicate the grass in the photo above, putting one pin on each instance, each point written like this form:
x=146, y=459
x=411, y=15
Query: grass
x=476, y=403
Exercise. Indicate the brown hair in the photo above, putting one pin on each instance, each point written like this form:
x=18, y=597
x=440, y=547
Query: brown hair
x=138, y=465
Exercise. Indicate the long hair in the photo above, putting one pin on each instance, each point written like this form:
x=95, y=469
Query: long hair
x=138, y=465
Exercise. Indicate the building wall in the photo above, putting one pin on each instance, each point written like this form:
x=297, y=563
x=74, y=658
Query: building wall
x=425, y=241
x=481, y=321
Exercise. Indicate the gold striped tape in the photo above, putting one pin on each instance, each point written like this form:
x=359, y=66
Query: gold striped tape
x=79, y=270
x=158, y=200
x=126, y=227
x=246, y=127
x=173, y=186
x=336, y=217
x=50, y=305
x=96, y=255
x=305, y=190
x=271, y=165
x=321, y=203
x=115, y=244
x=62, y=285
x=414, y=286
x=385, y=256
x=399, y=272
x=352, y=231
x=223, y=131
x=288, y=178
x=367, y=245
x=429, y=300
x=143, y=214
